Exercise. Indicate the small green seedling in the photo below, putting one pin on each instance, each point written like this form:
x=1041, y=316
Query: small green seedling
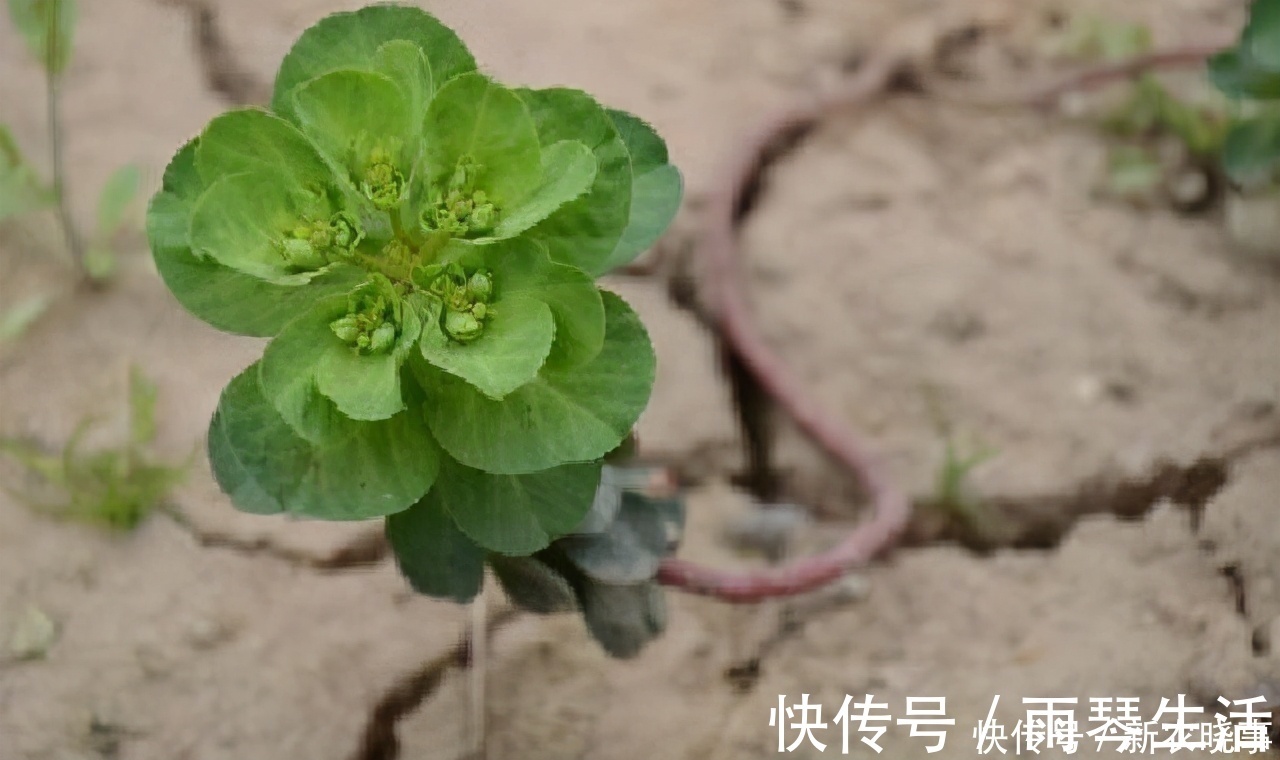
x=1095, y=37
x=1164, y=143
x=17, y=319
x=116, y=487
x=21, y=190
x=952, y=492
x=48, y=28
x=420, y=243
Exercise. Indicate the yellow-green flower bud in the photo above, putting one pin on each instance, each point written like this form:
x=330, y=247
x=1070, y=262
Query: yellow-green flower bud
x=482, y=219
x=481, y=286
x=382, y=183
x=382, y=338
x=347, y=328
x=462, y=326
x=345, y=232
x=300, y=254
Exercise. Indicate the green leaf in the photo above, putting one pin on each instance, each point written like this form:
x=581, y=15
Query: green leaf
x=437, y=558
x=241, y=220
x=19, y=318
x=576, y=415
x=347, y=470
x=403, y=62
x=1251, y=153
x=348, y=110
x=225, y=298
x=257, y=459
x=532, y=585
x=523, y=268
x=623, y=618
x=474, y=117
x=100, y=263
x=20, y=189
x=645, y=147
x=307, y=357
x=517, y=514
x=568, y=169
x=656, y=189
x=251, y=140
x=142, y=408
x=354, y=41
x=655, y=199
x=48, y=27
x=634, y=544
x=1238, y=77
x=514, y=346
x=1261, y=39
x=1134, y=172
x=116, y=195
x=584, y=232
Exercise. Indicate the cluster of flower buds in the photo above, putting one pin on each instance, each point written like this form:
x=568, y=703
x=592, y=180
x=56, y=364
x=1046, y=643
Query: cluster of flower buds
x=460, y=209
x=465, y=298
x=374, y=316
x=382, y=183
x=313, y=243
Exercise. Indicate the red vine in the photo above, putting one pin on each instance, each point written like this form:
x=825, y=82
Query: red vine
x=718, y=249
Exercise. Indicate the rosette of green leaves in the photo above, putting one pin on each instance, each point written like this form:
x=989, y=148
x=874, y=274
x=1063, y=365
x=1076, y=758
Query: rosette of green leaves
x=420, y=244
x=1250, y=71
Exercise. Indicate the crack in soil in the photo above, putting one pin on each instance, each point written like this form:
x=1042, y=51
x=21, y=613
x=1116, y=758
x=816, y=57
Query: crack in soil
x=364, y=550
x=378, y=741
x=223, y=73
x=1039, y=522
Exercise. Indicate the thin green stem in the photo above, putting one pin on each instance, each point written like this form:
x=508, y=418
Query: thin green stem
x=75, y=246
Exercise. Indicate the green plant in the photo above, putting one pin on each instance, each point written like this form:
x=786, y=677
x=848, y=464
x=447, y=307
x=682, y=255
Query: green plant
x=1249, y=72
x=952, y=493
x=420, y=244
x=1092, y=36
x=48, y=28
x=116, y=487
x=15, y=320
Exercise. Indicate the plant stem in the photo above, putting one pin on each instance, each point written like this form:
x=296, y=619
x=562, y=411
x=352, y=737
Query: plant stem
x=730, y=310
x=728, y=305
x=74, y=246
x=479, y=645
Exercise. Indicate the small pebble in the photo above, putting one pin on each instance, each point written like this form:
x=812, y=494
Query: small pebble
x=32, y=635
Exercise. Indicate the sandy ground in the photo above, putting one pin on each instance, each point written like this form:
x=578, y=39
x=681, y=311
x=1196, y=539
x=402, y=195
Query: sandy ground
x=920, y=252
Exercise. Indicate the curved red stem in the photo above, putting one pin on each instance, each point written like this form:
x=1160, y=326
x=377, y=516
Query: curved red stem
x=719, y=252
x=731, y=313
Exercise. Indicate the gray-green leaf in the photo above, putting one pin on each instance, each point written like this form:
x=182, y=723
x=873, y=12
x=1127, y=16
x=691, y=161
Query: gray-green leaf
x=624, y=618
x=656, y=189
x=634, y=544
x=532, y=585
